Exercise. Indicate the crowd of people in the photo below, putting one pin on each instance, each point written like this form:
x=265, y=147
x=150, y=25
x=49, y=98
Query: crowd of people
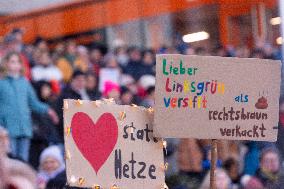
x=34, y=80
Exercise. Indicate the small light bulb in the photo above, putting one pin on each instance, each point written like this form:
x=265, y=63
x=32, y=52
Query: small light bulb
x=81, y=181
x=65, y=106
x=114, y=187
x=67, y=155
x=164, y=186
x=166, y=166
x=73, y=179
x=131, y=130
x=165, y=144
x=98, y=103
x=150, y=110
x=122, y=116
x=68, y=130
x=134, y=105
x=79, y=102
x=96, y=186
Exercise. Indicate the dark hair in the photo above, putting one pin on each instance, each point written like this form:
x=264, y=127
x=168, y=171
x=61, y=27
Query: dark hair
x=148, y=51
x=256, y=51
x=133, y=48
x=229, y=163
x=150, y=89
x=124, y=90
x=38, y=87
x=78, y=73
x=17, y=30
x=38, y=40
x=200, y=50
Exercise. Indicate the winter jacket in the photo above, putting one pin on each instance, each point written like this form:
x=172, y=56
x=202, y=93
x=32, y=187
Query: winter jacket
x=17, y=100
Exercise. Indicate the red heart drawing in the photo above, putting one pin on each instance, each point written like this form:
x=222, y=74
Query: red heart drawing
x=95, y=141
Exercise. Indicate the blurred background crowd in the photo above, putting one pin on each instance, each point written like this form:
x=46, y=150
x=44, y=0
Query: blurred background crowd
x=35, y=77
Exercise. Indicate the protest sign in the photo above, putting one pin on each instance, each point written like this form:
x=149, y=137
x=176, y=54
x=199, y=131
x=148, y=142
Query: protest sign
x=217, y=98
x=111, y=146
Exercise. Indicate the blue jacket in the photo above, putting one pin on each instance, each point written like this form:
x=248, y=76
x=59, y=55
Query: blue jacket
x=17, y=100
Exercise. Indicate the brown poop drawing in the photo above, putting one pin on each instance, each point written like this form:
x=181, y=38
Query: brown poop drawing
x=261, y=103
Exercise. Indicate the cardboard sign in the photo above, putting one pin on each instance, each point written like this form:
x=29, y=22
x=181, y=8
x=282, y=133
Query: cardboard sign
x=109, y=145
x=217, y=98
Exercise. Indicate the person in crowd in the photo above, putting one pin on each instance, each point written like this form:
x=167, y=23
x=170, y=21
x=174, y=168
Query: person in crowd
x=257, y=53
x=58, y=51
x=231, y=166
x=129, y=82
x=249, y=182
x=13, y=173
x=92, y=86
x=223, y=181
x=148, y=64
x=189, y=158
x=19, y=175
x=41, y=44
x=150, y=97
x=190, y=51
x=17, y=99
x=171, y=156
x=45, y=70
x=12, y=43
x=219, y=50
x=45, y=132
x=75, y=90
x=270, y=173
x=251, y=160
x=132, y=67
x=126, y=96
x=28, y=51
x=96, y=60
x=111, y=62
x=83, y=55
x=122, y=57
x=18, y=39
x=77, y=87
x=144, y=83
x=268, y=51
x=70, y=62
x=112, y=90
x=280, y=138
x=99, y=42
x=201, y=51
x=51, y=164
x=242, y=52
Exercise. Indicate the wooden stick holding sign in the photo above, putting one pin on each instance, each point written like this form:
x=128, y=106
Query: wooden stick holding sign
x=214, y=157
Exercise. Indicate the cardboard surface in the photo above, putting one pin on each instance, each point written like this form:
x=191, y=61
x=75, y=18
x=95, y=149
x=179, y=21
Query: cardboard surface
x=108, y=144
x=217, y=98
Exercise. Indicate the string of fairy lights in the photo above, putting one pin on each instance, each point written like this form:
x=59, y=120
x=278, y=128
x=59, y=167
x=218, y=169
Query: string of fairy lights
x=80, y=181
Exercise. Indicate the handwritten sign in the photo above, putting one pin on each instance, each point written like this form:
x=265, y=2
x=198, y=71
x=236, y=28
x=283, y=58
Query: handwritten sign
x=109, y=145
x=217, y=98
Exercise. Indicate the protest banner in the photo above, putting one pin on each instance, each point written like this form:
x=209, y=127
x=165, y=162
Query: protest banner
x=111, y=146
x=217, y=98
